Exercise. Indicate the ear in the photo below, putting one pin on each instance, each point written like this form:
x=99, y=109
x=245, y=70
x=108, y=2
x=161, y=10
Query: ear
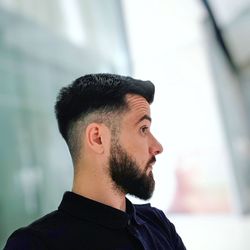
x=95, y=137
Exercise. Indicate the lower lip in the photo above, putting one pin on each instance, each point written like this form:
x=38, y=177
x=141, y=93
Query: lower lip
x=149, y=169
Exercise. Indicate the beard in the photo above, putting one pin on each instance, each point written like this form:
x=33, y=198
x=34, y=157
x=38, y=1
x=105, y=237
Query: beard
x=127, y=175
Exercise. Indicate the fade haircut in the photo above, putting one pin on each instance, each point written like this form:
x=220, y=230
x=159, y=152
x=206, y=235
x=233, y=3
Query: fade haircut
x=95, y=98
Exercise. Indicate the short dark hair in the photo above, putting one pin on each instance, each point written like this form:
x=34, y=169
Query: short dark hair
x=102, y=93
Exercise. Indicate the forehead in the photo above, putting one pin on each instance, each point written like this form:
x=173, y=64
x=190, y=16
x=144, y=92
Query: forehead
x=138, y=106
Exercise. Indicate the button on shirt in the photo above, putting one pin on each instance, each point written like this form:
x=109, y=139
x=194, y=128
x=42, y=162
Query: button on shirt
x=81, y=223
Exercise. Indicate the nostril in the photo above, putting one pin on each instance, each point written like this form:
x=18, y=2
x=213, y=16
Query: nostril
x=156, y=147
x=159, y=149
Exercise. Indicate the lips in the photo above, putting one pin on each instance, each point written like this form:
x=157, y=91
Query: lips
x=152, y=160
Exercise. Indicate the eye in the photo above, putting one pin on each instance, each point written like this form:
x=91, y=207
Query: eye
x=144, y=129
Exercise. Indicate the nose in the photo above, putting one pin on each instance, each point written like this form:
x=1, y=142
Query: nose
x=155, y=147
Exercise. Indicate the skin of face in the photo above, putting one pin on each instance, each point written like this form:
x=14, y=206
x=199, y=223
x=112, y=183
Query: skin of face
x=92, y=175
x=135, y=150
x=135, y=134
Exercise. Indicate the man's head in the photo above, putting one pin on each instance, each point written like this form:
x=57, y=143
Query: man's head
x=116, y=102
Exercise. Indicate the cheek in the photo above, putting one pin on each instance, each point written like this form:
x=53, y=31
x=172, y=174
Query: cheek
x=140, y=153
x=137, y=147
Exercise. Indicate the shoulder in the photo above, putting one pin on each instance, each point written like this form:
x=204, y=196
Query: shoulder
x=148, y=209
x=153, y=215
x=47, y=221
x=25, y=238
x=34, y=235
x=156, y=221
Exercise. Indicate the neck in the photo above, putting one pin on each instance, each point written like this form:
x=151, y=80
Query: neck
x=98, y=187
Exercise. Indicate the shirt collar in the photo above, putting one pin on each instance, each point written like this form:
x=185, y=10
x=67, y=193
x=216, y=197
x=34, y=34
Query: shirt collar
x=87, y=209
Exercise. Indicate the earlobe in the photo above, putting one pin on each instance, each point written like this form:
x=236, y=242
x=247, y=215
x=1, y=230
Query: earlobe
x=94, y=137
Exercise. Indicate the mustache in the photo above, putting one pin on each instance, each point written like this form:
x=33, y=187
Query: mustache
x=152, y=160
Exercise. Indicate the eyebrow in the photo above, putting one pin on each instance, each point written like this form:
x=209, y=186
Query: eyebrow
x=145, y=117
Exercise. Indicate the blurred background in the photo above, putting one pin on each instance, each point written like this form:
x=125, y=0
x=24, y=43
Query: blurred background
x=197, y=54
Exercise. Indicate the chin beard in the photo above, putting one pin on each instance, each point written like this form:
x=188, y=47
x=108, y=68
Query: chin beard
x=127, y=176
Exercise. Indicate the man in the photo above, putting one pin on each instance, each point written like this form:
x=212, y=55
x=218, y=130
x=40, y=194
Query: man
x=105, y=120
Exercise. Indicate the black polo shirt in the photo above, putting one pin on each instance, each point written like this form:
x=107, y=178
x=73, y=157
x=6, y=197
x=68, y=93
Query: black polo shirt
x=81, y=223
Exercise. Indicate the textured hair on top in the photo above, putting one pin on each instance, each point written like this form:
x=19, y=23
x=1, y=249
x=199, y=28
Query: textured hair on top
x=96, y=93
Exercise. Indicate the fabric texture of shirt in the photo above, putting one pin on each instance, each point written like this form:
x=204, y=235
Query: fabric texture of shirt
x=81, y=223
